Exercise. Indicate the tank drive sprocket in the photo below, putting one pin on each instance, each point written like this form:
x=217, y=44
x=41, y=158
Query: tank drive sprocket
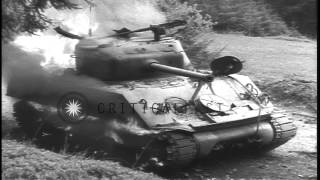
x=284, y=130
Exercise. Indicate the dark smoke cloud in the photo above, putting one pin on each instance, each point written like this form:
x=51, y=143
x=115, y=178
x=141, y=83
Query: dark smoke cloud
x=23, y=71
x=25, y=75
x=16, y=61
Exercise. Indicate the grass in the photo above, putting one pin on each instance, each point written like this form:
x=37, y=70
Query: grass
x=24, y=161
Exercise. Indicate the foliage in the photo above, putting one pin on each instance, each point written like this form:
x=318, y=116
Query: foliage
x=252, y=17
x=27, y=16
x=197, y=23
x=299, y=14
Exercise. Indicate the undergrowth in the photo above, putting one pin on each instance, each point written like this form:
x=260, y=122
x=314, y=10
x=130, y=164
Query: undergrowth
x=24, y=161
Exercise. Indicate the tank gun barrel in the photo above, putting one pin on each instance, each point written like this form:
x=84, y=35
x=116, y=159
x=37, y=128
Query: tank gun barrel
x=180, y=72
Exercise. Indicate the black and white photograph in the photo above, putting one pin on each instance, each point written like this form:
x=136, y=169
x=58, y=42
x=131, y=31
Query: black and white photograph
x=159, y=89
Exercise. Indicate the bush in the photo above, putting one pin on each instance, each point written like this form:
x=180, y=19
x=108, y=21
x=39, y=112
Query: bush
x=196, y=22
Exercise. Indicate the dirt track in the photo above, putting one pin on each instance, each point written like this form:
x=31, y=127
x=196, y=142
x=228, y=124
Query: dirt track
x=267, y=60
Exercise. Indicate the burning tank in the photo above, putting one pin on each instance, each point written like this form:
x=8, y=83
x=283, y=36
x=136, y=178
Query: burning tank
x=149, y=98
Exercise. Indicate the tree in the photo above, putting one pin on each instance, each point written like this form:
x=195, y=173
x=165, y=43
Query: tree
x=197, y=23
x=27, y=16
x=299, y=14
x=251, y=17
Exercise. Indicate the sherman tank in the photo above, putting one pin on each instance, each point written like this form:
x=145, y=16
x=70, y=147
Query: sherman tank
x=147, y=96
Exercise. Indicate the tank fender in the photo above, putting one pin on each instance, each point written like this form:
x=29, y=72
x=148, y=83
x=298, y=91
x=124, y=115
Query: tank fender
x=207, y=140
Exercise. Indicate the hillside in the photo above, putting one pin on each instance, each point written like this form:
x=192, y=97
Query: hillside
x=262, y=17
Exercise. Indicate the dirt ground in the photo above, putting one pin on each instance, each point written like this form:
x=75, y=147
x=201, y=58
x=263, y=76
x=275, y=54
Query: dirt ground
x=268, y=61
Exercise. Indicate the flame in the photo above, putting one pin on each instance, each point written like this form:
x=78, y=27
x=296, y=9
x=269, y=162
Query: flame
x=56, y=50
x=105, y=16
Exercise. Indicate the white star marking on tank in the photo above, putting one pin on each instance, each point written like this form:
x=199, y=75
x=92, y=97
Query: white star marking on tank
x=73, y=108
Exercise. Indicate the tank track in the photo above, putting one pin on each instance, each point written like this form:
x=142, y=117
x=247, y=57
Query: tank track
x=181, y=149
x=171, y=150
x=284, y=130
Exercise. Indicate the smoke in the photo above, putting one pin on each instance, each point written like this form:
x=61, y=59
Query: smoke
x=123, y=132
x=122, y=13
x=31, y=60
x=107, y=15
x=31, y=64
x=102, y=18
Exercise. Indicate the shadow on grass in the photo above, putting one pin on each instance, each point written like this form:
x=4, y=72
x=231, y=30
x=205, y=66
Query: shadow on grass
x=60, y=143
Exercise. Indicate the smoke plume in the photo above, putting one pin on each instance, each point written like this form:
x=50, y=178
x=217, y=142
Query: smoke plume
x=34, y=58
x=32, y=64
x=107, y=15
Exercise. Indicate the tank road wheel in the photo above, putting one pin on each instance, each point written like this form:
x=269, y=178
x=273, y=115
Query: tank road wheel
x=284, y=130
x=172, y=150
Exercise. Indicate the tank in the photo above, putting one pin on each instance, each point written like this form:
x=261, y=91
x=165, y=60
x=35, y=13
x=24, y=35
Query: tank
x=148, y=97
